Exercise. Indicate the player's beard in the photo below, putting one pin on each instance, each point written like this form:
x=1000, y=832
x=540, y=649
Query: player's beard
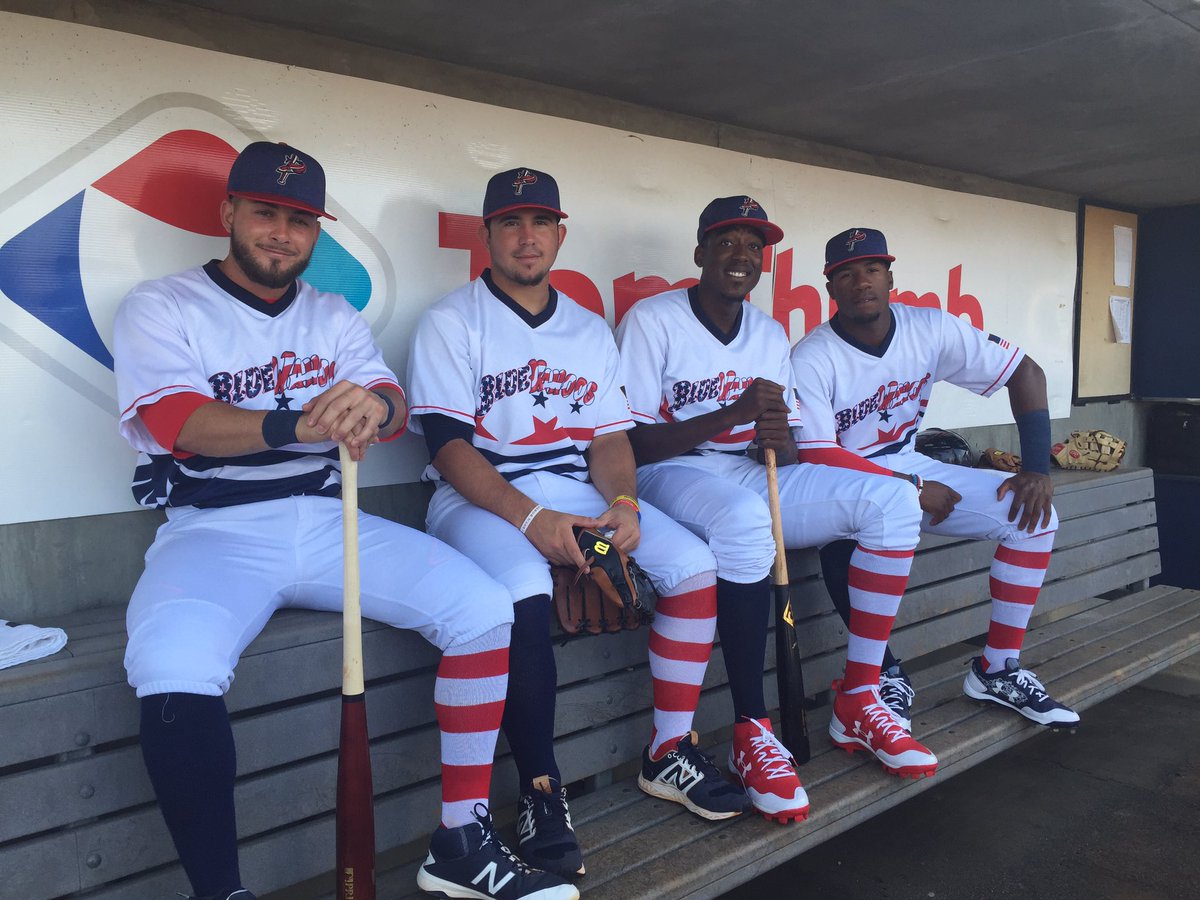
x=277, y=274
x=516, y=276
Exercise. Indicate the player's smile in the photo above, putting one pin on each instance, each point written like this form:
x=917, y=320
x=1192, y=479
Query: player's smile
x=270, y=245
x=731, y=261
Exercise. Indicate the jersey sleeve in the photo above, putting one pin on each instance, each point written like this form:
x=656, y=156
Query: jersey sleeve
x=979, y=362
x=612, y=412
x=440, y=379
x=813, y=379
x=360, y=360
x=791, y=393
x=152, y=359
x=643, y=360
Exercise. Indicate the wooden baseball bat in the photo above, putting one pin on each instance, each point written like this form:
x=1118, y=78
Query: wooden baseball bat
x=355, y=818
x=793, y=719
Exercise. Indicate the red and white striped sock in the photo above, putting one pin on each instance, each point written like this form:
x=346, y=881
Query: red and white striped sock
x=1018, y=569
x=877, y=579
x=681, y=640
x=468, y=695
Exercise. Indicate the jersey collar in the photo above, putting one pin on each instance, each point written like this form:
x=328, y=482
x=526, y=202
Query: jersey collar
x=836, y=325
x=213, y=270
x=529, y=319
x=725, y=338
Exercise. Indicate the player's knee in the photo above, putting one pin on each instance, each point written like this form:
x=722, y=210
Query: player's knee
x=742, y=541
x=182, y=646
x=893, y=520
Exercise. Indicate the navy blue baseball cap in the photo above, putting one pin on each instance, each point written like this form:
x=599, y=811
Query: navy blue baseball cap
x=741, y=210
x=855, y=243
x=521, y=189
x=280, y=174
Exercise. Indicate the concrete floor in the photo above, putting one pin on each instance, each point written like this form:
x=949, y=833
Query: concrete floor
x=1108, y=812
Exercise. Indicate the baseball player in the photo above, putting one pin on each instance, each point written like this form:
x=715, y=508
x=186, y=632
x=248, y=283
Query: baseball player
x=517, y=391
x=708, y=375
x=236, y=383
x=864, y=379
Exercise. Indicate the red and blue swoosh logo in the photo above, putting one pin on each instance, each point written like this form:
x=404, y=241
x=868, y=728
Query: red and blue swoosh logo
x=138, y=203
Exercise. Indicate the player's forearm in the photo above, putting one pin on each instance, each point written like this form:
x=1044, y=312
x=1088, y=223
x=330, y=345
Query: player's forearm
x=465, y=469
x=220, y=430
x=666, y=440
x=1027, y=388
x=611, y=466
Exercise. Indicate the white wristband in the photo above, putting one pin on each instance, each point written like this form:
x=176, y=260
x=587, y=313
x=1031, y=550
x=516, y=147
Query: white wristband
x=529, y=518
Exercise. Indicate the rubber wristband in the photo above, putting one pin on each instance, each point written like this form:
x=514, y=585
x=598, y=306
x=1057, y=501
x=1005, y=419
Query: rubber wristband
x=1033, y=428
x=279, y=427
x=918, y=483
x=529, y=518
x=630, y=502
x=391, y=409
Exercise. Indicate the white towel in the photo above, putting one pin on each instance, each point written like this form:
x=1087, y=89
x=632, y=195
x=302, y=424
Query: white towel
x=23, y=643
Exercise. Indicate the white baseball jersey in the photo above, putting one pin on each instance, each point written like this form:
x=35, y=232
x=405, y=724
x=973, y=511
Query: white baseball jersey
x=199, y=332
x=536, y=389
x=677, y=364
x=871, y=400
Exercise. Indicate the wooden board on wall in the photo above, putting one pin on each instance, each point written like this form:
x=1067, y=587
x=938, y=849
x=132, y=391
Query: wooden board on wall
x=1102, y=363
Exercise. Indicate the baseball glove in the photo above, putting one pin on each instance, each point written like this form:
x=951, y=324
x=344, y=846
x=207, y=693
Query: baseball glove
x=615, y=595
x=1094, y=450
x=1001, y=460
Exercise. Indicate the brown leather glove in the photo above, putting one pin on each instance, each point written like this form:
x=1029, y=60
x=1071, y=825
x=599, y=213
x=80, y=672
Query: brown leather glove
x=615, y=595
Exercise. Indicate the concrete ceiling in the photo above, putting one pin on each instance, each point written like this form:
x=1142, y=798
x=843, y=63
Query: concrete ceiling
x=1094, y=98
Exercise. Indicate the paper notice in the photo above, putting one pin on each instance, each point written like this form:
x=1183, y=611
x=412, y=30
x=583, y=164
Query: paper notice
x=1122, y=255
x=1121, y=310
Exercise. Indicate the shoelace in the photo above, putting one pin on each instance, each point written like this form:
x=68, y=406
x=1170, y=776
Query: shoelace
x=490, y=837
x=895, y=689
x=884, y=719
x=1029, y=681
x=692, y=758
x=549, y=816
x=774, y=759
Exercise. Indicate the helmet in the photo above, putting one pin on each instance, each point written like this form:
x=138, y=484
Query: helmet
x=944, y=446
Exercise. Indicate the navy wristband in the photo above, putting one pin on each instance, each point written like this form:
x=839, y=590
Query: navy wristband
x=1033, y=428
x=391, y=409
x=279, y=427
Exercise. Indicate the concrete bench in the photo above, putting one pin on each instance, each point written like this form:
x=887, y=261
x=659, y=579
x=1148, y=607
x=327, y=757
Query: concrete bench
x=80, y=819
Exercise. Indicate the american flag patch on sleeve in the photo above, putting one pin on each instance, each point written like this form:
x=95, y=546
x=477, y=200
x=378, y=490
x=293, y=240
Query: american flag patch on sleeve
x=996, y=339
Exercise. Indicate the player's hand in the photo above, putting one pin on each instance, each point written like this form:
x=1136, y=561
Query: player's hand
x=1031, y=493
x=938, y=500
x=622, y=519
x=773, y=432
x=346, y=413
x=551, y=532
x=761, y=397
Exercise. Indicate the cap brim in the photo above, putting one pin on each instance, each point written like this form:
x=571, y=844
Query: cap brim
x=283, y=201
x=505, y=209
x=841, y=262
x=771, y=232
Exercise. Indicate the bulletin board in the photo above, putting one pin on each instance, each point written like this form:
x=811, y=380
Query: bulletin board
x=1104, y=311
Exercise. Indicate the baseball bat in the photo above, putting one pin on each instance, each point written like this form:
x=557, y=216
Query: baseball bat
x=793, y=719
x=355, y=817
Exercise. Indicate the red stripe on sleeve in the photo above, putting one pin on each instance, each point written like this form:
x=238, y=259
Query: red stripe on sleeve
x=164, y=418
x=841, y=458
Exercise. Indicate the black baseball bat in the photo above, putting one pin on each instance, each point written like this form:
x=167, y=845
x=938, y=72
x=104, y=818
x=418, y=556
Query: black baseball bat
x=355, y=816
x=793, y=719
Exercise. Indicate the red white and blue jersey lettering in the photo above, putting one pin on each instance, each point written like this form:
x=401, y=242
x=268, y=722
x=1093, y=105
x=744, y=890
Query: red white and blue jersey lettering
x=872, y=403
x=676, y=368
x=187, y=333
x=535, y=389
